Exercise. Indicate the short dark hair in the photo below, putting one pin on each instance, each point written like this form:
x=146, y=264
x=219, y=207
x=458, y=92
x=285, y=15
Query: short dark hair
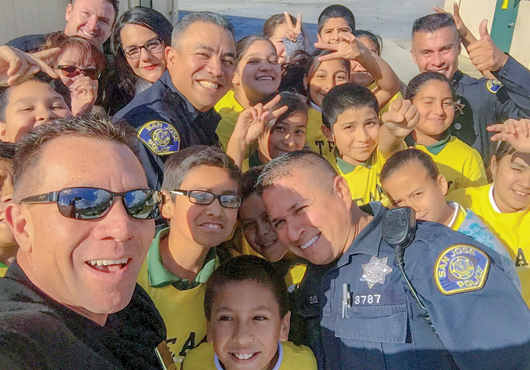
x=344, y=97
x=180, y=163
x=274, y=21
x=402, y=158
x=141, y=16
x=295, y=103
x=305, y=160
x=294, y=72
x=55, y=84
x=97, y=127
x=7, y=150
x=418, y=81
x=248, y=181
x=433, y=22
x=243, y=44
x=206, y=17
x=115, y=5
x=336, y=11
x=246, y=268
x=376, y=39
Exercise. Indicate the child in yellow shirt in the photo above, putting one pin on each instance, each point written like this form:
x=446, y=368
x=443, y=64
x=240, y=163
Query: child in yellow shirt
x=432, y=94
x=246, y=307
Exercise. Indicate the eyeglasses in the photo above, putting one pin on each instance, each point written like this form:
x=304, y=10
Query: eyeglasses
x=205, y=198
x=72, y=71
x=151, y=46
x=94, y=203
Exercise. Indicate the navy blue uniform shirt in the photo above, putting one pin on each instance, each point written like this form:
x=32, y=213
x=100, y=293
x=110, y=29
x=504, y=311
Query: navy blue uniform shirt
x=166, y=123
x=370, y=320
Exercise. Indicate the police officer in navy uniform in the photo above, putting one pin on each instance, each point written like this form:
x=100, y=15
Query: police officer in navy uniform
x=451, y=307
x=177, y=111
x=436, y=46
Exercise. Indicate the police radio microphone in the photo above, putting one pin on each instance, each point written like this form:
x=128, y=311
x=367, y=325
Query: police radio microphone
x=399, y=230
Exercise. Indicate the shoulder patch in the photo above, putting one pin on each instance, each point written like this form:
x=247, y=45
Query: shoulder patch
x=493, y=86
x=160, y=137
x=461, y=268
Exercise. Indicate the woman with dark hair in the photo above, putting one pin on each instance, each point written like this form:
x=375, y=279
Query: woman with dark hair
x=138, y=42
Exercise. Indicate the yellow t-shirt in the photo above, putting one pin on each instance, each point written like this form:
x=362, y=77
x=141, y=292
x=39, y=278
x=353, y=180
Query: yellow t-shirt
x=229, y=109
x=512, y=229
x=363, y=179
x=292, y=358
x=461, y=165
x=3, y=270
x=315, y=137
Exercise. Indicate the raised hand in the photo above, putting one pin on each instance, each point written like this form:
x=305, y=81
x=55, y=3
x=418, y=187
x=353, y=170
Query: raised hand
x=401, y=118
x=460, y=26
x=484, y=54
x=17, y=66
x=293, y=30
x=349, y=48
x=84, y=93
x=515, y=132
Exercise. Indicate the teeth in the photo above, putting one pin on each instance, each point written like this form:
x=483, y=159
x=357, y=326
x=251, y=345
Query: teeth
x=268, y=244
x=123, y=261
x=243, y=356
x=88, y=34
x=209, y=84
x=519, y=193
x=212, y=226
x=310, y=242
x=265, y=78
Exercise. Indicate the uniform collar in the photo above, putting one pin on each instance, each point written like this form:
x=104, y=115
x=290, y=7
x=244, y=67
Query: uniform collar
x=436, y=148
x=166, y=79
x=457, y=77
x=160, y=277
x=346, y=167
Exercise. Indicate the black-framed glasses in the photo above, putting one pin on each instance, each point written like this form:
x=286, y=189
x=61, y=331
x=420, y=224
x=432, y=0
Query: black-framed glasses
x=205, y=198
x=94, y=203
x=72, y=71
x=151, y=46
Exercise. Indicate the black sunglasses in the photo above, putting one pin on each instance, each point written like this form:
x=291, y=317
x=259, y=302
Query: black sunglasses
x=72, y=71
x=205, y=198
x=94, y=203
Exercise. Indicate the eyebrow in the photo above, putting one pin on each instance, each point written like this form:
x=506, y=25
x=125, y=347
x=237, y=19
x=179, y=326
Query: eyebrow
x=210, y=49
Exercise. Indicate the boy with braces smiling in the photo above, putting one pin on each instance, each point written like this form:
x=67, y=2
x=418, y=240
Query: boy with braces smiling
x=201, y=200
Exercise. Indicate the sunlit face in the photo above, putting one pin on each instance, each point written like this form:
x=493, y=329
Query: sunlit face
x=246, y=325
x=277, y=40
x=202, y=225
x=359, y=74
x=258, y=230
x=202, y=64
x=72, y=57
x=334, y=30
x=313, y=222
x=90, y=19
x=30, y=104
x=424, y=195
x=258, y=71
x=288, y=135
x=329, y=74
x=434, y=101
x=437, y=51
x=151, y=64
x=511, y=179
x=61, y=255
x=6, y=193
x=356, y=134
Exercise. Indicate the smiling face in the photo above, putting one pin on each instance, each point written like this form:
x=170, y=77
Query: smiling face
x=258, y=71
x=437, y=51
x=313, y=222
x=90, y=19
x=277, y=40
x=72, y=57
x=329, y=74
x=202, y=64
x=30, y=104
x=434, y=101
x=150, y=65
x=246, y=325
x=356, y=134
x=288, y=135
x=334, y=30
x=424, y=195
x=58, y=253
x=202, y=225
x=258, y=230
x=359, y=74
x=511, y=178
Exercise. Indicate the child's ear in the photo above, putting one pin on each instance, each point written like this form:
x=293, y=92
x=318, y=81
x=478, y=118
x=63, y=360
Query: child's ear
x=442, y=183
x=328, y=133
x=286, y=326
x=167, y=205
x=3, y=131
x=493, y=166
x=236, y=80
x=319, y=39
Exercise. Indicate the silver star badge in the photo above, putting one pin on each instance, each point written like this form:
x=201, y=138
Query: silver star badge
x=374, y=272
